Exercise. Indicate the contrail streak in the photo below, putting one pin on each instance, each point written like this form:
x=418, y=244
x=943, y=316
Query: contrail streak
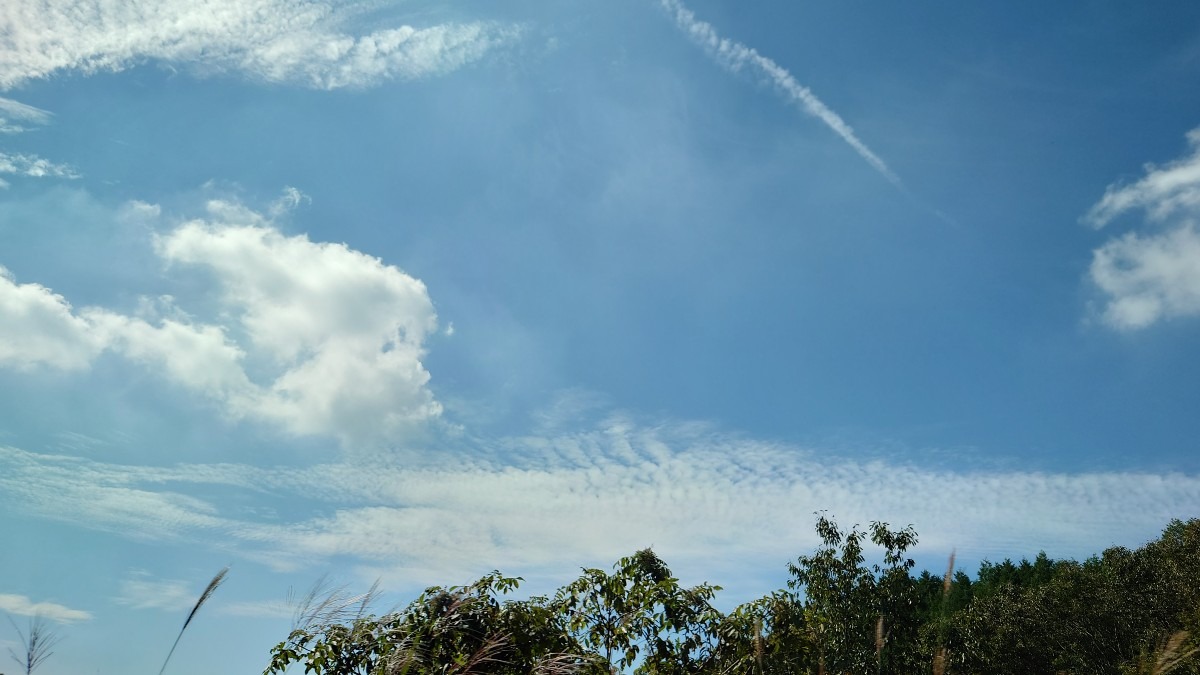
x=737, y=57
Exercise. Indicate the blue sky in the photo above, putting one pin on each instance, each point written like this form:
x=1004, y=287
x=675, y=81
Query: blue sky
x=413, y=291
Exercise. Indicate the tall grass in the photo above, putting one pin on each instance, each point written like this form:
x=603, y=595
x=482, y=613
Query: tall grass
x=36, y=644
x=208, y=591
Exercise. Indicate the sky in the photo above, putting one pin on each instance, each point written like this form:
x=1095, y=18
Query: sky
x=413, y=291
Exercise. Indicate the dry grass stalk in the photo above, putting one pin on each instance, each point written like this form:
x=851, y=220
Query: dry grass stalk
x=939, y=661
x=560, y=664
x=325, y=604
x=759, y=646
x=208, y=591
x=939, y=657
x=948, y=580
x=37, y=644
x=1173, y=654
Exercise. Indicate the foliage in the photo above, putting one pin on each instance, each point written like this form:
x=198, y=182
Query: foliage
x=459, y=629
x=640, y=612
x=1123, y=613
x=1105, y=615
x=862, y=619
x=768, y=636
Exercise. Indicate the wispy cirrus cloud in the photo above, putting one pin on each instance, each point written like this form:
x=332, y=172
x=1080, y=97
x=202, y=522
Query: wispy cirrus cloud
x=259, y=609
x=1149, y=277
x=141, y=590
x=302, y=42
x=334, y=337
x=32, y=166
x=23, y=606
x=737, y=58
x=14, y=116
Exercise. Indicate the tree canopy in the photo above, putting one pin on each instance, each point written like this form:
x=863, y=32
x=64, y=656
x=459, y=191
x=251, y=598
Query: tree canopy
x=1120, y=612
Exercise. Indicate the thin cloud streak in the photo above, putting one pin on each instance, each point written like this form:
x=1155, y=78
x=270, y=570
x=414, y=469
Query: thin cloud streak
x=140, y=590
x=14, y=115
x=737, y=57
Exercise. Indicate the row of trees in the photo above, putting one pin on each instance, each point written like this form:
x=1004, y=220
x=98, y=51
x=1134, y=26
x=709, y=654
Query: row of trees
x=1124, y=611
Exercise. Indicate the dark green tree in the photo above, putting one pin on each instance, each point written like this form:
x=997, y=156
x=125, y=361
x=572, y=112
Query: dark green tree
x=1113, y=613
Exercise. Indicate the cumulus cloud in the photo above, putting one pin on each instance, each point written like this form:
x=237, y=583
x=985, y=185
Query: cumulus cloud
x=737, y=57
x=335, y=337
x=1152, y=276
x=23, y=606
x=345, y=329
x=14, y=115
x=1164, y=191
x=199, y=357
x=39, y=328
x=303, y=42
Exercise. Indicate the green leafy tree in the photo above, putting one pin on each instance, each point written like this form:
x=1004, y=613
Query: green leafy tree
x=459, y=630
x=1124, y=612
x=861, y=619
x=1114, y=613
x=640, y=616
x=768, y=636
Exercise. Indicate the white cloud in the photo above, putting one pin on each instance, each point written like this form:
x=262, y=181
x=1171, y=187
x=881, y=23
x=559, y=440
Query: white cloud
x=737, y=57
x=334, y=337
x=38, y=328
x=14, y=115
x=140, y=590
x=33, y=166
x=598, y=495
x=1164, y=191
x=199, y=357
x=293, y=41
x=345, y=330
x=23, y=606
x=1148, y=277
x=258, y=609
x=136, y=211
x=72, y=489
x=589, y=497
